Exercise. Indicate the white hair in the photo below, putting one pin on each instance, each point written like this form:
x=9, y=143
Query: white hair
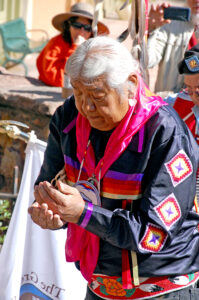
x=102, y=56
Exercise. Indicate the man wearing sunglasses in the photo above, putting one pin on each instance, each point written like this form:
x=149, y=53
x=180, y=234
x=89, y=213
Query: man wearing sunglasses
x=186, y=103
x=75, y=27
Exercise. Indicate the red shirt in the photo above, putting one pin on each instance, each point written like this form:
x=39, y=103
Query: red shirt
x=52, y=59
x=193, y=41
x=183, y=105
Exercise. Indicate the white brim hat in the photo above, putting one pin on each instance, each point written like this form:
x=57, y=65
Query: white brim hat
x=80, y=9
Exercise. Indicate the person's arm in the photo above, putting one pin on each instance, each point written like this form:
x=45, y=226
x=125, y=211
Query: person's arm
x=157, y=35
x=53, y=157
x=156, y=45
x=52, y=164
x=164, y=191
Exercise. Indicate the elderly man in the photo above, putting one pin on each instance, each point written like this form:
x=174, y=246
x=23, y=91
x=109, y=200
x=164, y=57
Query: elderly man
x=130, y=176
x=168, y=43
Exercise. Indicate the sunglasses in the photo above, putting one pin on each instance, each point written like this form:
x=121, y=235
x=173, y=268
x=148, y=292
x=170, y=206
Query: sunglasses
x=77, y=25
x=190, y=92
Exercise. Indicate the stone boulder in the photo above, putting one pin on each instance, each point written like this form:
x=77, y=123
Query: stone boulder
x=29, y=101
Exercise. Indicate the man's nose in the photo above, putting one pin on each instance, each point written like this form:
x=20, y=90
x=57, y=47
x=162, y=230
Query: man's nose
x=90, y=106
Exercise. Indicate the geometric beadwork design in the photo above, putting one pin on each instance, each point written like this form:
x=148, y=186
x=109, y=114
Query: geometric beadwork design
x=154, y=238
x=179, y=167
x=168, y=211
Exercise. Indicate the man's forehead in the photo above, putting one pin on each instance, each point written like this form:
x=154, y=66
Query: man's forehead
x=191, y=80
x=94, y=84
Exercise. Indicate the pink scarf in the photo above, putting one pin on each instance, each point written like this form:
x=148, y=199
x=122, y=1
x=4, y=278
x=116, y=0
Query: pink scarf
x=82, y=245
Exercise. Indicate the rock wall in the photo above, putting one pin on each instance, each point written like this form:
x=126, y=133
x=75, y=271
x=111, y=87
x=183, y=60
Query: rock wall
x=25, y=100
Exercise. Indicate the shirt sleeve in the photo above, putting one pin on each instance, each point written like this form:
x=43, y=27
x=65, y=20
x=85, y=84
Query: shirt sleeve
x=156, y=45
x=53, y=156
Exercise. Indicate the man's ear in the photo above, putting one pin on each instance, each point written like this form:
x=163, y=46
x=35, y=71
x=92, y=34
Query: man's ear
x=133, y=78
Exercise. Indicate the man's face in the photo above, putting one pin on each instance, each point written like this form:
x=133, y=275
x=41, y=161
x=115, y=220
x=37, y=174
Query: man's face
x=104, y=107
x=192, y=84
x=194, y=5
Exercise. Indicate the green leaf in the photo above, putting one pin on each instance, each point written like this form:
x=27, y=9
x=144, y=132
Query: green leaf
x=99, y=279
x=103, y=290
x=119, y=280
x=130, y=292
x=191, y=277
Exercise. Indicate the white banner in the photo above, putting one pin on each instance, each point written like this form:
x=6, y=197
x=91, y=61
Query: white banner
x=32, y=260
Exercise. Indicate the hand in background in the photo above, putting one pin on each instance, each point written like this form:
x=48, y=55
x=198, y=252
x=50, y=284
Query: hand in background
x=156, y=16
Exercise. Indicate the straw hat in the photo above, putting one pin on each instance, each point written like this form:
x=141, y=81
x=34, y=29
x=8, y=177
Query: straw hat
x=80, y=9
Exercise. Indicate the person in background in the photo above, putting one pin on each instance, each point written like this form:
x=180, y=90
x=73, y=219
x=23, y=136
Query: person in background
x=167, y=43
x=75, y=27
x=128, y=192
x=186, y=102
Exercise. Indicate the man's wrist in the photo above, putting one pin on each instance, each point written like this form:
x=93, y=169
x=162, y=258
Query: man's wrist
x=86, y=214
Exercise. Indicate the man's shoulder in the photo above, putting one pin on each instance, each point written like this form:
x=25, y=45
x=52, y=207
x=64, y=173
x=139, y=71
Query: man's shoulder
x=66, y=112
x=166, y=119
x=68, y=105
x=58, y=40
